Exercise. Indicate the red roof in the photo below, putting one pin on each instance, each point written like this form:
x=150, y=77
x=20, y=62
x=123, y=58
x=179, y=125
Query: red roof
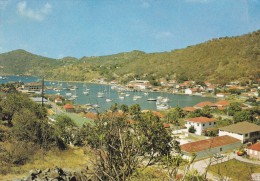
x=91, y=115
x=159, y=114
x=203, y=104
x=68, y=106
x=223, y=103
x=166, y=125
x=201, y=120
x=255, y=147
x=189, y=109
x=208, y=143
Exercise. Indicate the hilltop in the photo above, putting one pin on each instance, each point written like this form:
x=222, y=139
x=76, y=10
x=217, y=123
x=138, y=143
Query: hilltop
x=218, y=60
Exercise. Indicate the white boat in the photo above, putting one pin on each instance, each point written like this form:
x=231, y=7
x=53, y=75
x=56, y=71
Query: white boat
x=137, y=97
x=127, y=95
x=121, y=97
x=100, y=94
x=151, y=99
x=108, y=100
x=95, y=106
x=85, y=92
x=68, y=94
x=162, y=106
x=166, y=99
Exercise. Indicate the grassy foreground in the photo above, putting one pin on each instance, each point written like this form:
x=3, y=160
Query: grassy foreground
x=73, y=158
x=235, y=169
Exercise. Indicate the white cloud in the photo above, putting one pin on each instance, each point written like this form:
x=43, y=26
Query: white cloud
x=37, y=14
x=3, y=4
x=164, y=34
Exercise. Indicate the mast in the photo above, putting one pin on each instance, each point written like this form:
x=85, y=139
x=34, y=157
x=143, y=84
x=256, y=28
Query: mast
x=42, y=91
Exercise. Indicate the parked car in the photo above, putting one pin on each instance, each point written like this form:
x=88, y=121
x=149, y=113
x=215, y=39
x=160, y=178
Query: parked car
x=218, y=156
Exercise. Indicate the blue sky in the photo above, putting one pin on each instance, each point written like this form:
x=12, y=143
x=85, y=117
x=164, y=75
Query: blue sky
x=59, y=28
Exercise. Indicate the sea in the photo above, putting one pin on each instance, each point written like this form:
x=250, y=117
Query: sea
x=109, y=92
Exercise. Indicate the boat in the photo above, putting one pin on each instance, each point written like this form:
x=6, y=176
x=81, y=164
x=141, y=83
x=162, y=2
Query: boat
x=108, y=100
x=127, y=95
x=95, y=106
x=166, y=99
x=100, y=94
x=162, y=106
x=121, y=97
x=68, y=94
x=151, y=99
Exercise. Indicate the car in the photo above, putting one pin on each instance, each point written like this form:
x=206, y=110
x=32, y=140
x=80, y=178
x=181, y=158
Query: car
x=218, y=156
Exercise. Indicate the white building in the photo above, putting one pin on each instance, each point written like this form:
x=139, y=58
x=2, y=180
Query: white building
x=244, y=131
x=200, y=124
x=188, y=91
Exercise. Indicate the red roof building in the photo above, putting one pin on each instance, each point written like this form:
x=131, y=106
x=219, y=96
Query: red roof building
x=254, y=150
x=69, y=108
x=223, y=103
x=208, y=147
x=200, y=124
x=203, y=104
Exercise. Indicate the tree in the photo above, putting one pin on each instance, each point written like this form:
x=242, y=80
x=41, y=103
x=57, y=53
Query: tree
x=65, y=128
x=192, y=129
x=124, y=108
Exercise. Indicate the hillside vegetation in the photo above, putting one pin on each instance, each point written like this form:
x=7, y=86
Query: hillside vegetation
x=218, y=60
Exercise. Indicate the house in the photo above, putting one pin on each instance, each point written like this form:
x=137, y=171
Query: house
x=223, y=104
x=91, y=115
x=204, y=104
x=244, y=131
x=58, y=100
x=209, y=147
x=188, y=91
x=200, y=124
x=188, y=109
x=32, y=86
x=254, y=150
x=69, y=108
x=139, y=85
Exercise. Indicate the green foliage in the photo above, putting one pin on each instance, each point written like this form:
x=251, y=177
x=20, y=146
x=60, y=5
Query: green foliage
x=65, y=128
x=204, y=112
x=192, y=129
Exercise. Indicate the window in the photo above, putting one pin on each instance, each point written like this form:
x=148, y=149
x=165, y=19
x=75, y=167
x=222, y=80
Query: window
x=209, y=123
x=203, y=124
x=246, y=135
x=220, y=149
x=214, y=122
x=197, y=124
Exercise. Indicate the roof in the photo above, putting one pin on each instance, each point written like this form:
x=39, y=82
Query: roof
x=241, y=128
x=209, y=143
x=189, y=109
x=203, y=104
x=68, y=106
x=159, y=114
x=33, y=84
x=223, y=103
x=201, y=120
x=91, y=115
x=166, y=125
x=38, y=99
x=255, y=146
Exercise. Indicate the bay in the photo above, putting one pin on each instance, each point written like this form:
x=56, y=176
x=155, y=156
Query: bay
x=109, y=93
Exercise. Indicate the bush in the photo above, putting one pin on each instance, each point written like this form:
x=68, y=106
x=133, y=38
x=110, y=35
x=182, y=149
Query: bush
x=192, y=129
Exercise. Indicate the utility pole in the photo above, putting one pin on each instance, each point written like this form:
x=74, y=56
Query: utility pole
x=42, y=91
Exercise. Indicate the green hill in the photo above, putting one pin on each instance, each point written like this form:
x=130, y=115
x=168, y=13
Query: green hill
x=218, y=60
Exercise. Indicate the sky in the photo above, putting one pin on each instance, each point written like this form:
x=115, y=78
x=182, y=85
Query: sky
x=77, y=28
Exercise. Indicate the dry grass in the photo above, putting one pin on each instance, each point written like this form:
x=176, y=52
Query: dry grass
x=73, y=158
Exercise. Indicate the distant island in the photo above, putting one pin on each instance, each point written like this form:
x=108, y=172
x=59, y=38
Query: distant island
x=218, y=60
